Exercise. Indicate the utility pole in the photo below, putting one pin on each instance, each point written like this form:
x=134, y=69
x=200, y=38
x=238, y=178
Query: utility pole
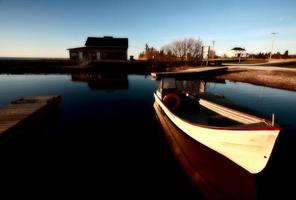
x=202, y=52
x=272, y=44
x=209, y=50
x=213, y=56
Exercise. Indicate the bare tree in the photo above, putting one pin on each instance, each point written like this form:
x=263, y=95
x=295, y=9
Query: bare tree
x=188, y=49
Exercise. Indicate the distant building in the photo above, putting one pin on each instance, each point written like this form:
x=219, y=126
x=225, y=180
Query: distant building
x=101, y=48
x=237, y=52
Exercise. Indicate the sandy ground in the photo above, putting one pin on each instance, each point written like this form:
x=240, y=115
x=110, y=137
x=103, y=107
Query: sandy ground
x=276, y=77
x=272, y=62
x=270, y=76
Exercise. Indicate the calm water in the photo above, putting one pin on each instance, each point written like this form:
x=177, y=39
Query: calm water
x=263, y=99
x=106, y=137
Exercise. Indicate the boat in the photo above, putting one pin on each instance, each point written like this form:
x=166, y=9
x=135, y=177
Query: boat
x=245, y=139
x=213, y=175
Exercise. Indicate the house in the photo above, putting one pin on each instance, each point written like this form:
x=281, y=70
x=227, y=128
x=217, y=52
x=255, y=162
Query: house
x=101, y=48
x=237, y=52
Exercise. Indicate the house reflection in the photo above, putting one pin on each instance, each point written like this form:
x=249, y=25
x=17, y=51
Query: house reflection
x=215, y=176
x=103, y=81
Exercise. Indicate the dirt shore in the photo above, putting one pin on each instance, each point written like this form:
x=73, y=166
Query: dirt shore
x=271, y=76
x=276, y=77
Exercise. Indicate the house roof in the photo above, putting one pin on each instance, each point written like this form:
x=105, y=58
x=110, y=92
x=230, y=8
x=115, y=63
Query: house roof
x=107, y=41
x=238, y=49
x=97, y=48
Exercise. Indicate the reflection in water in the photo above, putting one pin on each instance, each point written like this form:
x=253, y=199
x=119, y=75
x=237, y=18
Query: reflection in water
x=262, y=99
x=191, y=86
x=214, y=175
x=103, y=81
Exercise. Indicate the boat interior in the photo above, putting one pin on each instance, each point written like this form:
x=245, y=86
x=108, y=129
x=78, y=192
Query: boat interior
x=208, y=109
x=195, y=113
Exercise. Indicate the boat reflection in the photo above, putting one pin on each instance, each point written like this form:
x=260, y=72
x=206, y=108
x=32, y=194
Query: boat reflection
x=190, y=85
x=215, y=176
x=103, y=81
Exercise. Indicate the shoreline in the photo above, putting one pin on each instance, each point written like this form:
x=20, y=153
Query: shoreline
x=280, y=77
x=64, y=66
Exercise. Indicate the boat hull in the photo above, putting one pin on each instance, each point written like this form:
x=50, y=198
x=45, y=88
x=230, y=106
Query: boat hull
x=249, y=148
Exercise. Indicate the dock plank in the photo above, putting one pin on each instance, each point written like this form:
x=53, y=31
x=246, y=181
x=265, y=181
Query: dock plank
x=199, y=70
x=18, y=111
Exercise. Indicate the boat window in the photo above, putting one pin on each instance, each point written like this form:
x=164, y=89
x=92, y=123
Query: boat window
x=168, y=83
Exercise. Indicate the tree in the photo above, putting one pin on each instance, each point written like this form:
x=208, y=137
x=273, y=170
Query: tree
x=286, y=54
x=188, y=49
x=149, y=54
x=146, y=47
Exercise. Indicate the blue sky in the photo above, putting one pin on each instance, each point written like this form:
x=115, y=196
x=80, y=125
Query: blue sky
x=46, y=28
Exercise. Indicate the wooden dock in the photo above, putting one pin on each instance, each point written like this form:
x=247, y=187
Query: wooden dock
x=200, y=70
x=17, y=112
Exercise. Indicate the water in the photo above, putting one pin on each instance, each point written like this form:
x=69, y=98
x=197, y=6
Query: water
x=106, y=137
x=263, y=99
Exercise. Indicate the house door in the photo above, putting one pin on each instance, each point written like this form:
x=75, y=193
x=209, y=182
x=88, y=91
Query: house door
x=80, y=55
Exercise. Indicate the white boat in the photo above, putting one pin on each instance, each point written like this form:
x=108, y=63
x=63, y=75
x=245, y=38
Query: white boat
x=212, y=174
x=248, y=142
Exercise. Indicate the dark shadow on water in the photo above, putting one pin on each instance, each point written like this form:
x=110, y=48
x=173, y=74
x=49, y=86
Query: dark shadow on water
x=276, y=181
x=103, y=81
x=98, y=143
x=103, y=156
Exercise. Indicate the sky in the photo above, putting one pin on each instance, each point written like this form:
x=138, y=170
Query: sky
x=47, y=28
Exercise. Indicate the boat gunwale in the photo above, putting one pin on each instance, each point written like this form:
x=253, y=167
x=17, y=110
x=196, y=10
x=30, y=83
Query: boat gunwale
x=240, y=128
